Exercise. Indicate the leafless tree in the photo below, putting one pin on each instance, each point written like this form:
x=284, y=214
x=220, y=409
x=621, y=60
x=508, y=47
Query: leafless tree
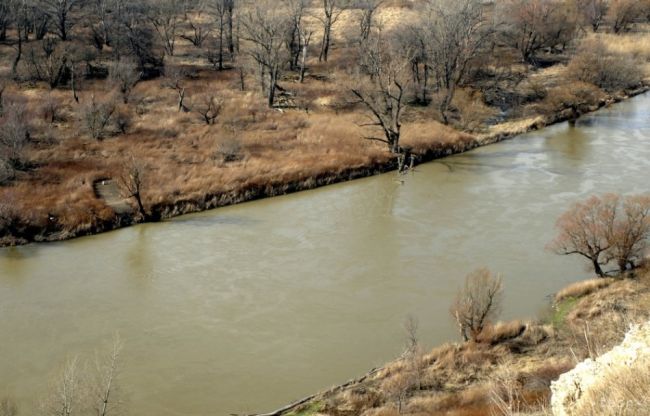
x=14, y=135
x=132, y=34
x=477, y=303
x=165, y=17
x=592, y=12
x=232, y=40
x=305, y=40
x=200, y=27
x=97, y=115
x=383, y=93
x=8, y=407
x=368, y=10
x=47, y=61
x=174, y=79
x=132, y=182
x=532, y=25
x=66, y=396
x=295, y=30
x=61, y=13
x=5, y=19
x=585, y=229
x=100, y=22
x=264, y=27
x=208, y=106
x=124, y=74
x=631, y=232
x=103, y=387
x=84, y=388
x=622, y=13
x=331, y=12
x=220, y=9
x=457, y=31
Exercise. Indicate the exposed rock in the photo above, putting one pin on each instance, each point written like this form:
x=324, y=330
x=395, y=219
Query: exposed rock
x=571, y=387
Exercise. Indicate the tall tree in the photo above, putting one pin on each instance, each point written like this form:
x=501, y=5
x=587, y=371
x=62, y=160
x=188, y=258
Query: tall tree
x=457, y=31
x=383, y=91
x=331, y=12
x=265, y=26
x=60, y=13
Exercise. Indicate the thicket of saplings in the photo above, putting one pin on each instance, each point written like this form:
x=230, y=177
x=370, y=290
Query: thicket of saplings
x=98, y=51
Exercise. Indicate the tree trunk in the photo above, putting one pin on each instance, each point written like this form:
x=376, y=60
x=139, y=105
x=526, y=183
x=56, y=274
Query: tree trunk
x=138, y=199
x=325, y=47
x=597, y=268
x=273, y=80
x=303, y=61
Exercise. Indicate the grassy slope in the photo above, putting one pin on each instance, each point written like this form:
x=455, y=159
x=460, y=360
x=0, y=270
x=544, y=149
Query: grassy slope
x=509, y=371
x=281, y=151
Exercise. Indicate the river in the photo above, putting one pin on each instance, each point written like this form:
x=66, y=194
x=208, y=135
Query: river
x=246, y=308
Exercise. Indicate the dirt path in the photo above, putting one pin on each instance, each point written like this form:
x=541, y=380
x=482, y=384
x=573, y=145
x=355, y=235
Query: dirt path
x=108, y=190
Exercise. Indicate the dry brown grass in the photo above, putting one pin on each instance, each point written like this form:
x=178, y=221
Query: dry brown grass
x=623, y=392
x=579, y=289
x=511, y=371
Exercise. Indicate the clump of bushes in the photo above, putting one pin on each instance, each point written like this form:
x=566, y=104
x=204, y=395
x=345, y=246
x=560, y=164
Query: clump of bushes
x=596, y=64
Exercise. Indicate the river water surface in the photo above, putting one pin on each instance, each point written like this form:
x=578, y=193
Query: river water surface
x=246, y=308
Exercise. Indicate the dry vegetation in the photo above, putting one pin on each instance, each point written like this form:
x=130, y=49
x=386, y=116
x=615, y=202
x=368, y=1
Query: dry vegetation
x=177, y=87
x=509, y=368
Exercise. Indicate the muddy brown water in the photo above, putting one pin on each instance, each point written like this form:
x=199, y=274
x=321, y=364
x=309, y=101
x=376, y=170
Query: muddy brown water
x=246, y=308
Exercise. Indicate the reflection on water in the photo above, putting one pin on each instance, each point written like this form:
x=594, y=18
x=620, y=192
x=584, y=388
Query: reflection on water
x=245, y=308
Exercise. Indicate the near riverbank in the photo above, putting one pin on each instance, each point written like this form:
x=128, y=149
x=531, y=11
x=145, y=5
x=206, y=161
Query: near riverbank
x=510, y=368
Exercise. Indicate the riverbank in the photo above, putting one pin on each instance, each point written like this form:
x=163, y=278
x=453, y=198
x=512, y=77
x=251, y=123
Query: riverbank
x=71, y=185
x=509, y=370
x=15, y=233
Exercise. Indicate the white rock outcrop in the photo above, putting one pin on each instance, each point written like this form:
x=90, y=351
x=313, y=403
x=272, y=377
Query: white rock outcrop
x=570, y=388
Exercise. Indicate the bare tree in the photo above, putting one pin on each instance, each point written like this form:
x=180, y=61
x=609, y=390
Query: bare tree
x=132, y=34
x=220, y=9
x=631, y=232
x=174, y=79
x=332, y=10
x=208, y=106
x=199, y=25
x=66, y=395
x=61, y=13
x=132, y=181
x=368, y=11
x=585, y=229
x=295, y=30
x=14, y=136
x=477, y=303
x=457, y=31
x=47, y=60
x=104, y=386
x=305, y=40
x=383, y=93
x=5, y=19
x=165, y=17
x=124, y=74
x=264, y=29
x=622, y=13
x=8, y=407
x=97, y=115
x=532, y=25
x=592, y=12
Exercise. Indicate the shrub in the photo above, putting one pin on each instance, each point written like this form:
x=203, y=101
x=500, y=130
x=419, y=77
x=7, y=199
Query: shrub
x=477, y=303
x=597, y=65
x=96, y=117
